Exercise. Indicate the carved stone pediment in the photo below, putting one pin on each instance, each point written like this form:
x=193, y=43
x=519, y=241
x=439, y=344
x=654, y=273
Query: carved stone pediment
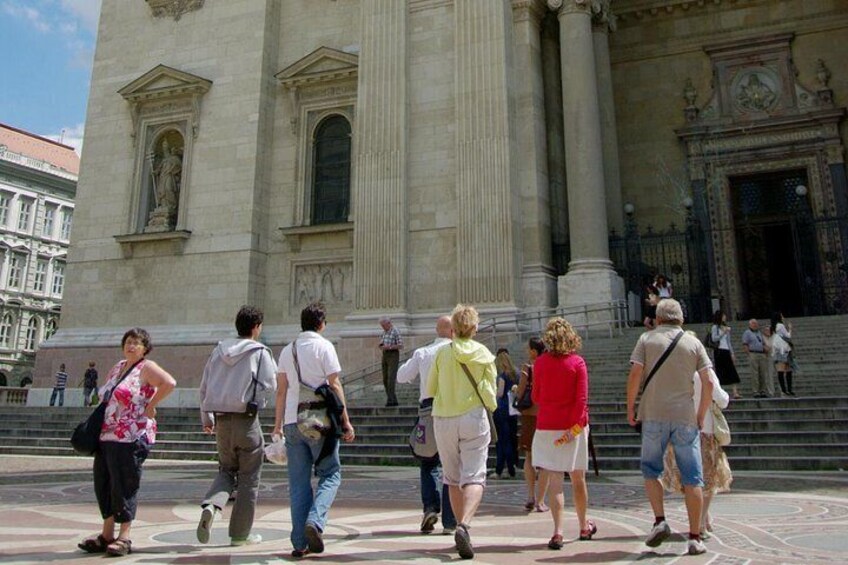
x=173, y=8
x=322, y=65
x=164, y=82
x=755, y=79
x=165, y=89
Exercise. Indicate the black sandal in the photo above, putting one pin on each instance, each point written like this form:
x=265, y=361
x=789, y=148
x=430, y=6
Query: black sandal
x=119, y=547
x=94, y=545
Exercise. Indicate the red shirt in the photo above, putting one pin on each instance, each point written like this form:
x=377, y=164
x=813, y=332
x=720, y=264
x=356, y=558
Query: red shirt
x=561, y=391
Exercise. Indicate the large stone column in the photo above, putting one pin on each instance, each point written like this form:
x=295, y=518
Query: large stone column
x=532, y=197
x=380, y=142
x=603, y=24
x=590, y=276
x=486, y=271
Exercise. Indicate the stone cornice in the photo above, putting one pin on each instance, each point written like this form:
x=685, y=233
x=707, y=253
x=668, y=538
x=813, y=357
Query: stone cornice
x=640, y=9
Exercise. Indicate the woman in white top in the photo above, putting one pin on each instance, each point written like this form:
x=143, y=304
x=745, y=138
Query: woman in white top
x=781, y=350
x=725, y=360
x=663, y=287
x=717, y=475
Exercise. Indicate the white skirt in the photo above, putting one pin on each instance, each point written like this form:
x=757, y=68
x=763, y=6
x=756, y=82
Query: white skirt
x=565, y=458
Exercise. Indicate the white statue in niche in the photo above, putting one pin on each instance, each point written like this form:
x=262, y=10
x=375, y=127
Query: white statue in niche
x=166, y=173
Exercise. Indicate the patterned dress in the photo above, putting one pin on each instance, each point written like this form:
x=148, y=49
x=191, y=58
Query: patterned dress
x=125, y=421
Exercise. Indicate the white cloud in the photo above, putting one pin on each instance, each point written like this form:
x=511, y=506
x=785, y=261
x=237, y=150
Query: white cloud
x=87, y=11
x=71, y=135
x=28, y=13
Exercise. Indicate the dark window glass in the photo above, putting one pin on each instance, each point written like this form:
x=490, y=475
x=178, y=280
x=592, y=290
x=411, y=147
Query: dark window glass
x=331, y=173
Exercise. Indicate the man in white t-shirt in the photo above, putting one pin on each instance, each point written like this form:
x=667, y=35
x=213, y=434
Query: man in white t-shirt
x=316, y=363
x=431, y=471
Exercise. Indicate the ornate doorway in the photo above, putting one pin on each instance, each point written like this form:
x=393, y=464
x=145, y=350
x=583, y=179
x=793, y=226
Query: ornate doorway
x=771, y=241
x=767, y=172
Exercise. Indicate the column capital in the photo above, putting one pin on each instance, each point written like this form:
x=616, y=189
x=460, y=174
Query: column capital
x=532, y=10
x=600, y=10
x=603, y=18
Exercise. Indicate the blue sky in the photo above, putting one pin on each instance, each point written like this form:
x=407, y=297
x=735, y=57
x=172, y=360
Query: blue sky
x=45, y=71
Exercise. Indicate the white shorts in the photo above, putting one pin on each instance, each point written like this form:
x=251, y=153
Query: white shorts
x=463, y=443
x=565, y=458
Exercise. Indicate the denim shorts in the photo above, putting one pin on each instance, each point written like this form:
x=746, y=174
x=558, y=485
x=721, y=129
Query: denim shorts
x=686, y=442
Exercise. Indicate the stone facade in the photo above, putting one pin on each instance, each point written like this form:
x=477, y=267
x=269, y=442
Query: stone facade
x=38, y=180
x=492, y=146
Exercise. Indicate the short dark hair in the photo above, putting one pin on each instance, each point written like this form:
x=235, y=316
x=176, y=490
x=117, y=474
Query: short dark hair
x=248, y=318
x=537, y=345
x=141, y=335
x=312, y=316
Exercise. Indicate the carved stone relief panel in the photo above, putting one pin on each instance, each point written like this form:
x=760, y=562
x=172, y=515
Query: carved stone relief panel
x=173, y=8
x=330, y=282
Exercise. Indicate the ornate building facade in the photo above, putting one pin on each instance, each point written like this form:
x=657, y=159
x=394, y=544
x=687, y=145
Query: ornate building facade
x=400, y=156
x=38, y=179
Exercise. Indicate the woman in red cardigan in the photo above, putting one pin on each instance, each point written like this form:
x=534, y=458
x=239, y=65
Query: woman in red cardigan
x=561, y=443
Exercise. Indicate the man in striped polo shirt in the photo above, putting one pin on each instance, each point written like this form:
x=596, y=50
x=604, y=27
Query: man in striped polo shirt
x=59, y=387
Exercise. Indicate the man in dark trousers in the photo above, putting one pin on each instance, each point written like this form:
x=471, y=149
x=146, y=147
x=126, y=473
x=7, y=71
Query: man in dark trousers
x=238, y=378
x=390, y=344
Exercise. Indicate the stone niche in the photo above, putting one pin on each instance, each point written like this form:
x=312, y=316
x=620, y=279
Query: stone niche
x=760, y=118
x=164, y=105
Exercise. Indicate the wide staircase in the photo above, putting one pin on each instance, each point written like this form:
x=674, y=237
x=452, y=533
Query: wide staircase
x=803, y=433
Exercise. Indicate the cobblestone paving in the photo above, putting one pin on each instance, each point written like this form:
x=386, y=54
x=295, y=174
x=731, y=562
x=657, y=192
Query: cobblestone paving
x=47, y=506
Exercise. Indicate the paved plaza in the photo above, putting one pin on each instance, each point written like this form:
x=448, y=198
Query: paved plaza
x=47, y=505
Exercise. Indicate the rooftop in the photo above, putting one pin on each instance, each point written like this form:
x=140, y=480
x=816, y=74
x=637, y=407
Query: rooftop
x=37, y=152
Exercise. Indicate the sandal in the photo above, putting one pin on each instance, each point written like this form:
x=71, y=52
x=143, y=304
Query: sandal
x=586, y=535
x=542, y=507
x=94, y=545
x=530, y=505
x=119, y=547
x=556, y=542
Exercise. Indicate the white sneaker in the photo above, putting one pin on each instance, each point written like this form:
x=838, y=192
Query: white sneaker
x=252, y=539
x=204, y=527
x=658, y=534
x=695, y=547
x=448, y=531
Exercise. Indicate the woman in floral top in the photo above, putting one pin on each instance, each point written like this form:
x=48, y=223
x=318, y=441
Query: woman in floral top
x=129, y=430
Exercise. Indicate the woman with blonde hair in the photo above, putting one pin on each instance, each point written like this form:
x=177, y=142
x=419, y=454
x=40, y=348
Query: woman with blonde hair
x=561, y=443
x=506, y=417
x=462, y=384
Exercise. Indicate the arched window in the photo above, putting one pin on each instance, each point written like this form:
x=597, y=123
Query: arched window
x=331, y=171
x=31, y=334
x=6, y=330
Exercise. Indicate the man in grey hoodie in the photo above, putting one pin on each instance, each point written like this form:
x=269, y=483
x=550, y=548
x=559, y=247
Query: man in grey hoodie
x=238, y=378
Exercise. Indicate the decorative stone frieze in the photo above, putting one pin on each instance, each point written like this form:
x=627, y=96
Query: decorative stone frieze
x=331, y=282
x=173, y=8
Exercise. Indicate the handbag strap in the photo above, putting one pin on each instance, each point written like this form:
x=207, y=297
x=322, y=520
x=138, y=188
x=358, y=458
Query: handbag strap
x=108, y=395
x=661, y=360
x=467, y=372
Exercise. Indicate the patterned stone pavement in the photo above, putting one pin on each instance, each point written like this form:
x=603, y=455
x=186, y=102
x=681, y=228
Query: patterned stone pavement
x=47, y=506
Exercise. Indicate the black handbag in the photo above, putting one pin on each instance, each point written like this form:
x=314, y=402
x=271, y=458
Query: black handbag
x=86, y=437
